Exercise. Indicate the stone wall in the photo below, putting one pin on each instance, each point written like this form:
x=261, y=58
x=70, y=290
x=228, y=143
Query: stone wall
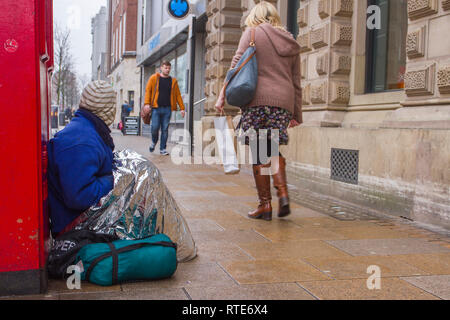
x=325, y=37
x=402, y=136
x=224, y=29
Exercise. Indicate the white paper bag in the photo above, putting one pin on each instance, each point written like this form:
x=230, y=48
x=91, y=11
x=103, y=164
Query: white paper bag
x=225, y=144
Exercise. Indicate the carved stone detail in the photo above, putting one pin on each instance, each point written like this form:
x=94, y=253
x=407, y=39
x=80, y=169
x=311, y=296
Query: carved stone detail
x=304, y=68
x=421, y=8
x=319, y=37
x=420, y=82
x=415, y=43
x=306, y=95
x=343, y=8
x=304, y=42
x=340, y=92
x=322, y=64
x=341, y=34
x=341, y=63
x=324, y=9
x=444, y=80
x=302, y=16
x=446, y=4
x=319, y=93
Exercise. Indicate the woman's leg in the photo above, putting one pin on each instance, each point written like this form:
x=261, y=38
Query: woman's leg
x=271, y=157
x=262, y=181
x=280, y=183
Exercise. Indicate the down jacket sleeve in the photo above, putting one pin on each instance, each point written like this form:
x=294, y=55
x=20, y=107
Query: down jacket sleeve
x=78, y=167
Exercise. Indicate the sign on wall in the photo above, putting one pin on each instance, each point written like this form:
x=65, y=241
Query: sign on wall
x=178, y=9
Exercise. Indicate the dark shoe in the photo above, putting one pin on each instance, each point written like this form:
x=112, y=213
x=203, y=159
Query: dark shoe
x=152, y=147
x=280, y=183
x=262, y=182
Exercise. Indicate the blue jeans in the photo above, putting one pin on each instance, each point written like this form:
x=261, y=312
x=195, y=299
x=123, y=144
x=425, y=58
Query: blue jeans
x=160, y=118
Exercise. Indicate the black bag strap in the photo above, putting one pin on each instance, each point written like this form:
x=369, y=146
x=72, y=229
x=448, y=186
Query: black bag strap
x=115, y=256
x=115, y=263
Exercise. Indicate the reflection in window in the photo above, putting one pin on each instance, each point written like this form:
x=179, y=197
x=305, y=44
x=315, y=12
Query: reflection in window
x=292, y=24
x=386, y=47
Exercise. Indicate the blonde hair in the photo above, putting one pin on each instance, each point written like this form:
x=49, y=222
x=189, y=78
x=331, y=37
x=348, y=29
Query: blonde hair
x=263, y=12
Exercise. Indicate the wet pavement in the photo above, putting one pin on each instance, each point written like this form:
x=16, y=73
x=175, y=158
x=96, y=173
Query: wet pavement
x=311, y=254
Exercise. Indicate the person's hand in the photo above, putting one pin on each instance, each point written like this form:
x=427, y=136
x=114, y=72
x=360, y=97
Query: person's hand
x=146, y=110
x=220, y=104
x=293, y=123
x=183, y=113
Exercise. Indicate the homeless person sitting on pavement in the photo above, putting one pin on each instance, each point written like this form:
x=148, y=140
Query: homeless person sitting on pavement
x=112, y=199
x=81, y=157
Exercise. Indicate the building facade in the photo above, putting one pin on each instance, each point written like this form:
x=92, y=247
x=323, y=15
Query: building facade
x=99, y=27
x=181, y=42
x=376, y=99
x=122, y=68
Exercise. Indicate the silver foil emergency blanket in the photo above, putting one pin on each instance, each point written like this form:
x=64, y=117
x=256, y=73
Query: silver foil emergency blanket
x=140, y=205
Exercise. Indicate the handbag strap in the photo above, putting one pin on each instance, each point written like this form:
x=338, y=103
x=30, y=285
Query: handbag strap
x=251, y=44
x=114, y=253
x=252, y=38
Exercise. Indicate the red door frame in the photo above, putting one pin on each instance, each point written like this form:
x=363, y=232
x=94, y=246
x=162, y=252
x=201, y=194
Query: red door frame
x=26, y=61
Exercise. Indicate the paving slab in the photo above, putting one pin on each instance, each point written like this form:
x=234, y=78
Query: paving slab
x=275, y=291
x=197, y=225
x=356, y=289
x=138, y=294
x=433, y=263
x=235, y=191
x=304, y=212
x=294, y=233
x=32, y=297
x=272, y=271
x=210, y=206
x=437, y=285
x=328, y=222
x=357, y=267
x=292, y=250
x=230, y=236
x=60, y=286
x=216, y=251
x=188, y=275
x=240, y=222
x=368, y=232
x=367, y=247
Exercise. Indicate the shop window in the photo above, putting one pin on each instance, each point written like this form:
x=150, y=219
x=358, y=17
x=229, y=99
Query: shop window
x=386, y=47
x=131, y=99
x=292, y=24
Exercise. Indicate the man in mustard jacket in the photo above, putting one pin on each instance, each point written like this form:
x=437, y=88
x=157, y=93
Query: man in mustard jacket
x=162, y=95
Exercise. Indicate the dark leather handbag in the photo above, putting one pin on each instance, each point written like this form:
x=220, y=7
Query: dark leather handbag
x=241, y=81
x=146, y=117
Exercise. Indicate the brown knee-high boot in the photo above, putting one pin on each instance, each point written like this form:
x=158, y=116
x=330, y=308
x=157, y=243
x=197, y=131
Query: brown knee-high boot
x=280, y=183
x=262, y=182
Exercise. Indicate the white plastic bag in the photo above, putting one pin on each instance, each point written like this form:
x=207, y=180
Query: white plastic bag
x=225, y=144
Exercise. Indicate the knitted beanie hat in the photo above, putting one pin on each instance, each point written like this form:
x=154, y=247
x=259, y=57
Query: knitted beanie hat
x=99, y=97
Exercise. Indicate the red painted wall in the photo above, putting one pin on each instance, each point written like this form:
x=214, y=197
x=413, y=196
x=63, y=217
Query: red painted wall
x=26, y=51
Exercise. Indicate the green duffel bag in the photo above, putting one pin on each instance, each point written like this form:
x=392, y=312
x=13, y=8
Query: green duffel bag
x=127, y=260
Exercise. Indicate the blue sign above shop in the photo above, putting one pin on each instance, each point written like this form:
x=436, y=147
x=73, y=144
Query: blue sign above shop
x=179, y=9
x=154, y=42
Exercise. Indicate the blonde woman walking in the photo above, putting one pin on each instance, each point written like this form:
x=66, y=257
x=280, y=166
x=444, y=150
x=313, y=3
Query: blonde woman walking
x=275, y=106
